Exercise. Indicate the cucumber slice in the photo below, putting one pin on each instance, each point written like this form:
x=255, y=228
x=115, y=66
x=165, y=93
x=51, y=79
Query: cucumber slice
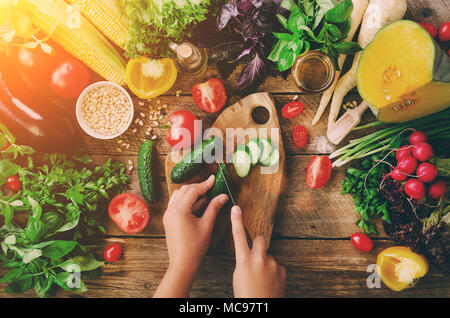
x=273, y=158
x=242, y=161
x=255, y=150
x=266, y=149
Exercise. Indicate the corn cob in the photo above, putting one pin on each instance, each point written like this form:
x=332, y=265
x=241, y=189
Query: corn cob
x=81, y=40
x=106, y=16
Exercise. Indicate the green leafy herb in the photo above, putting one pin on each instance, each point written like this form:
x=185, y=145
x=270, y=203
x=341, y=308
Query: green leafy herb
x=318, y=25
x=61, y=198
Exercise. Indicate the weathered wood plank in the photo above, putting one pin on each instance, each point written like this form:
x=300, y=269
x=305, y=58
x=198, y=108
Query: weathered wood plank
x=315, y=268
x=301, y=212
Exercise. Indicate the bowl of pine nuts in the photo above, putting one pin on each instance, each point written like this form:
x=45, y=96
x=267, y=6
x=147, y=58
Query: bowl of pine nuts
x=104, y=110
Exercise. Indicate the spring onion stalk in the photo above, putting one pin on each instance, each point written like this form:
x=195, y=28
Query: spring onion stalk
x=436, y=126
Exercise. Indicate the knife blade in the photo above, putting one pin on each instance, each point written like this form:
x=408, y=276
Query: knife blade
x=226, y=184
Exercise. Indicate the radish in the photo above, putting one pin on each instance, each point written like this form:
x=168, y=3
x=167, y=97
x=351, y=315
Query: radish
x=403, y=152
x=396, y=174
x=437, y=189
x=407, y=165
x=422, y=151
x=426, y=172
x=415, y=189
x=418, y=137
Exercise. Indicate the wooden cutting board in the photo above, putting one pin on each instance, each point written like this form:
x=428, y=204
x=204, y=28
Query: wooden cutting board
x=258, y=193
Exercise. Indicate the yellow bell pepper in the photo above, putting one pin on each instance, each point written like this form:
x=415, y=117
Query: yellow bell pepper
x=400, y=268
x=148, y=78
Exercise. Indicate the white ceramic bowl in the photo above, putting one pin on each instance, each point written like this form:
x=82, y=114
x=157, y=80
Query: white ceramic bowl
x=83, y=123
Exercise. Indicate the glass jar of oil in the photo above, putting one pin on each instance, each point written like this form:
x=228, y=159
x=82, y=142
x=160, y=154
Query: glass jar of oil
x=313, y=72
x=190, y=59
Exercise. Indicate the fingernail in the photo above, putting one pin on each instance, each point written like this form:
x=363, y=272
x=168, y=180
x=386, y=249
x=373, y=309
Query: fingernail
x=235, y=210
x=223, y=198
x=211, y=177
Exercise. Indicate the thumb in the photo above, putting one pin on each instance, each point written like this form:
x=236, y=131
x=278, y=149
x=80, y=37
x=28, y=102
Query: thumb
x=213, y=208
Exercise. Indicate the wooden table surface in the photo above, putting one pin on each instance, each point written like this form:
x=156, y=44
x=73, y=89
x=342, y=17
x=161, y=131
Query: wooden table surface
x=312, y=227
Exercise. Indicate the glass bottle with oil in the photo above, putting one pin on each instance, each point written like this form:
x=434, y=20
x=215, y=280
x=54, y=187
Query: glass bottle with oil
x=190, y=59
x=313, y=72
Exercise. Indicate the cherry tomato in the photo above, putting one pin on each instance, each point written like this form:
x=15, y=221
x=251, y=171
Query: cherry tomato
x=300, y=136
x=129, y=213
x=182, y=122
x=70, y=78
x=292, y=109
x=444, y=32
x=112, y=252
x=362, y=242
x=13, y=183
x=431, y=29
x=318, y=172
x=210, y=96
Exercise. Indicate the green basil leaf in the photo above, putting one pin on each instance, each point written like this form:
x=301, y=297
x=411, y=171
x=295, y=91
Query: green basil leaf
x=283, y=21
x=296, y=20
x=58, y=249
x=35, y=230
x=335, y=33
x=286, y=59
x=288, y=5
x=31, y=255
x=84, y=263
x=340, y=13
x=283, y=36
x=20, y=286
x=347, y=48
x=345, y=27
x=274, y=55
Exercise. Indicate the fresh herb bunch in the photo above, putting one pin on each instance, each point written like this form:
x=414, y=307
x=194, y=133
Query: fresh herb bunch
x=245, y=36
x=363, y=184
x=61, y=199
x=154, y=24
x=312, y=24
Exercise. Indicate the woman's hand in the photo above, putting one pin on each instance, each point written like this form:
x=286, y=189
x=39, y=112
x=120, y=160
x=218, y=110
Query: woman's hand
x=187, y=236
x=257, y=274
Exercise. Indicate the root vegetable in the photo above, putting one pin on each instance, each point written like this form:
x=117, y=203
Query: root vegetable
x=418, y=137
x=437, y=189
x=415, y=189
x=422, y=151
x=359, y=7
x=379, y=13
x=426, y=172
x=407, y=165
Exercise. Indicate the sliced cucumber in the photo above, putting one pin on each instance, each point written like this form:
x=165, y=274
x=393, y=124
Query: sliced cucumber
x=273, y=159
x=242, y=161
x=266, y=149
x=255, y=150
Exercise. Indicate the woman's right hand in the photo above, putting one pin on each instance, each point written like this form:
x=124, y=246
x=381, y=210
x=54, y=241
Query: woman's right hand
x=257, y=274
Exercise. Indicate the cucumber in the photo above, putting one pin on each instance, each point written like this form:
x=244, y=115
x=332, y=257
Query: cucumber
x=266, y=149
x=145, y=174
x=220, y=187
x=255, y=150
x=192, y=162
x=273, y=159
x=242, y=161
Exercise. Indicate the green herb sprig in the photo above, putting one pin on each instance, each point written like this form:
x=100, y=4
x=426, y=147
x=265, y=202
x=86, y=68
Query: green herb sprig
x=313, y=24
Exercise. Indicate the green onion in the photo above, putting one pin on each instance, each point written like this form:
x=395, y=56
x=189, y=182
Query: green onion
x=436, y=126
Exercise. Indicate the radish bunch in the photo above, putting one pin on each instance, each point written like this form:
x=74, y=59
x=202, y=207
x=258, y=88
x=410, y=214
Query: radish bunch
x=413, y=158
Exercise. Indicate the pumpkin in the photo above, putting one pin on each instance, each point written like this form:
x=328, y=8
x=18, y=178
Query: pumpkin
x=403, y=74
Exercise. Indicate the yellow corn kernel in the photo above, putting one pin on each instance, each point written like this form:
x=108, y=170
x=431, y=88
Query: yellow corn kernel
x=77, y=36
x=106, y=16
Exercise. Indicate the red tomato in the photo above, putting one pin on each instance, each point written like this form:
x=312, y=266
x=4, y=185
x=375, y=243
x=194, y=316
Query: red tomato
x=129, y=213
x=300, y=136
x=112, y=252
x=429, y=28
x=318, y=172
x=70, y=78
x=444, y=32
x=292, y=109
x=13, y=183
x=362, y=242
x=210, y=96
x=181, y=123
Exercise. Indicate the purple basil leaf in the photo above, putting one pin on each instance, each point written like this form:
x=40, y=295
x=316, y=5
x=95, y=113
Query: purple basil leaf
x=246, y=51
x=227, y=12
x=245, y=6
x=227, y=51
x=250, y=29
x=225, y=68
x=251, y=76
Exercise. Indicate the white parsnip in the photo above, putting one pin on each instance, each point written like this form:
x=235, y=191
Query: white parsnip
x=359, y=7
x=379, y=13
